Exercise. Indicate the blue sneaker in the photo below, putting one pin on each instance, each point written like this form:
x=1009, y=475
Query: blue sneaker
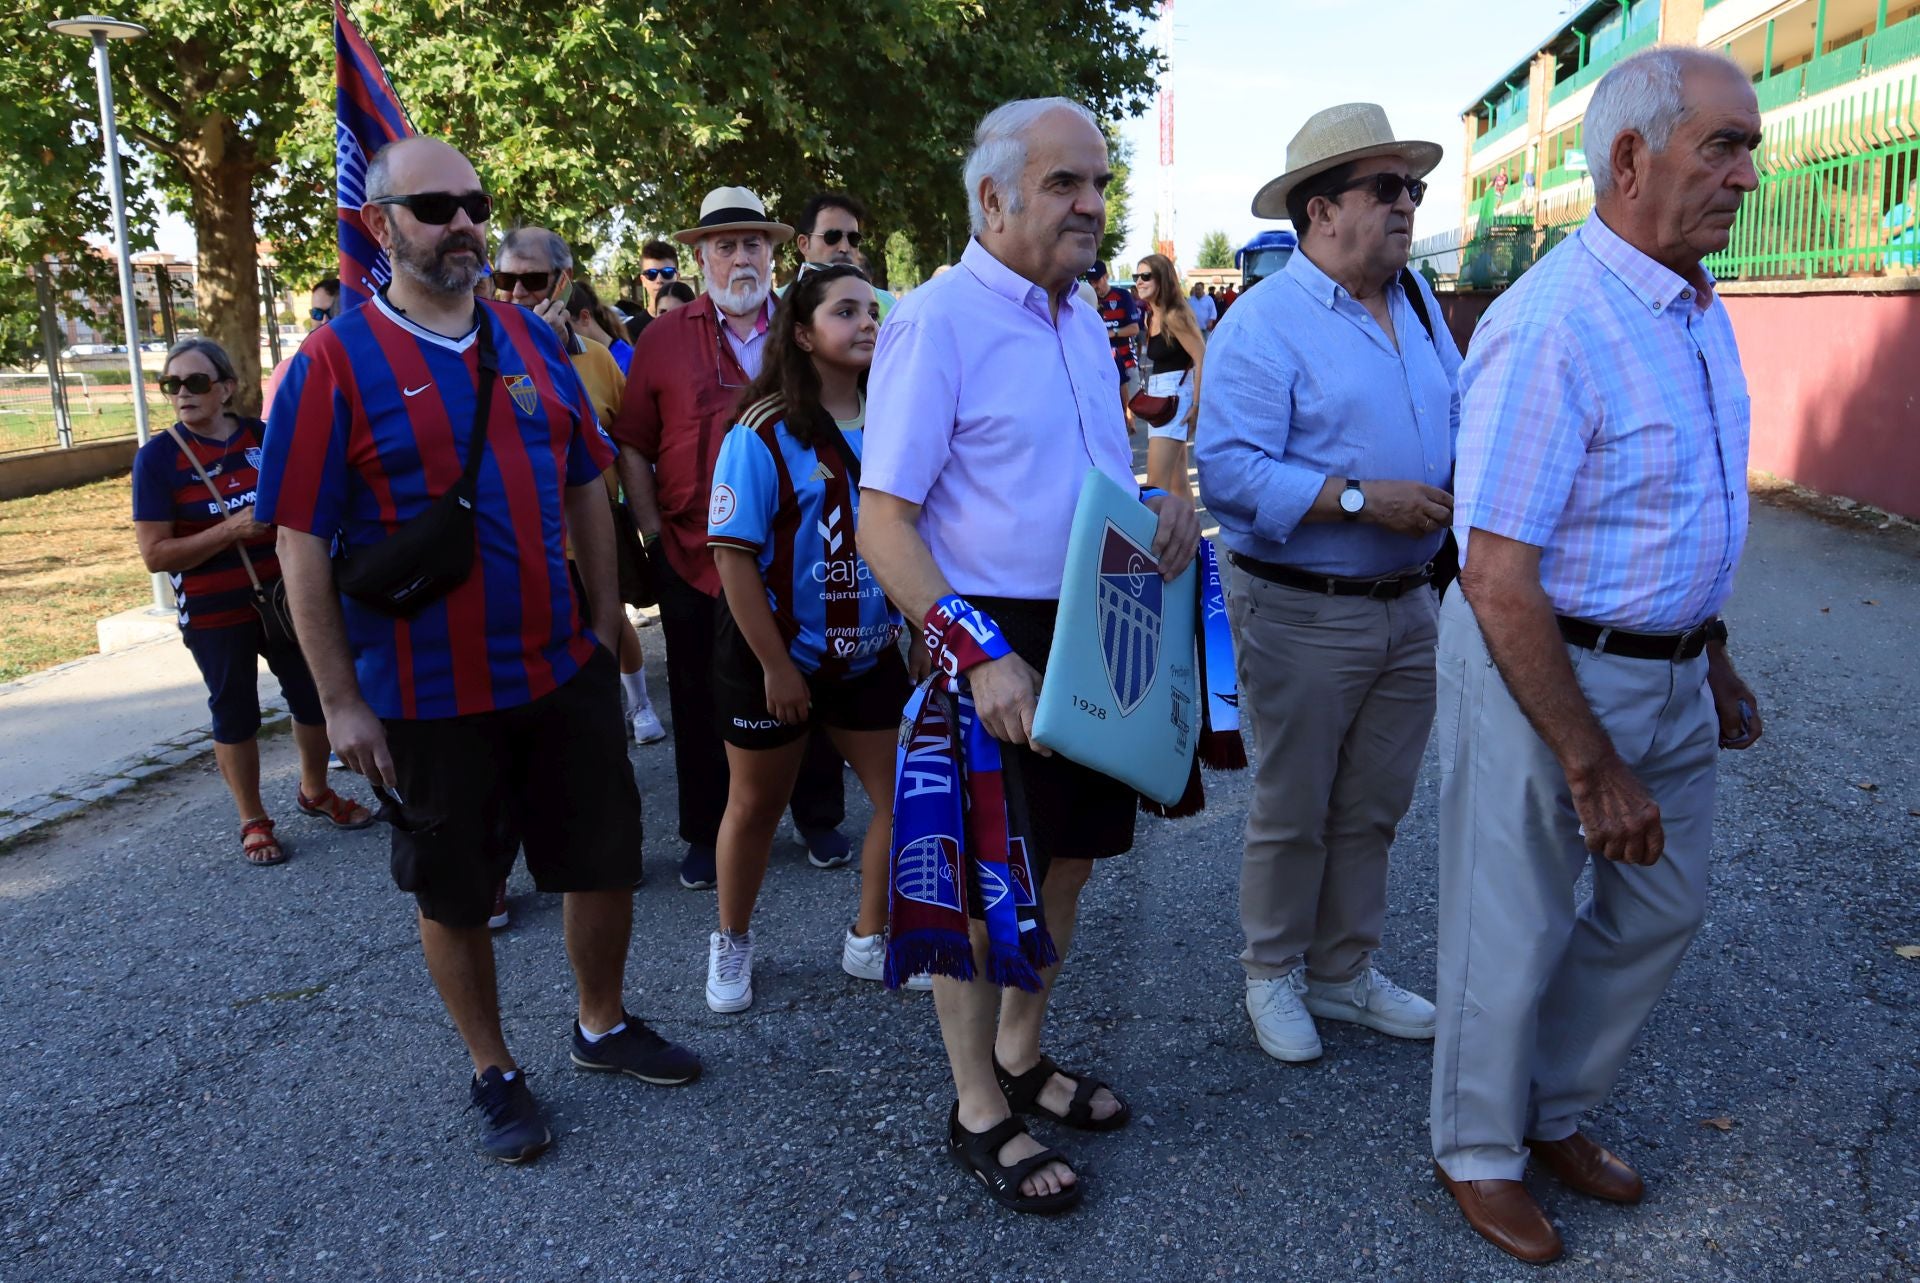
x=511, y=1128
x=697, y=870
x=638, y=1052
x=827, y=848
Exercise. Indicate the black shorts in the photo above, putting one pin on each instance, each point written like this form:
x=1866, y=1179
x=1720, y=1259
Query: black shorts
x=551, y=775
x=871, y=701
x=229, y=660
x=1065, y=811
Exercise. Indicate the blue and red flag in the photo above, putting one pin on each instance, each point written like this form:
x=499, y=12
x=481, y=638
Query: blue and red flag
x=367, y=115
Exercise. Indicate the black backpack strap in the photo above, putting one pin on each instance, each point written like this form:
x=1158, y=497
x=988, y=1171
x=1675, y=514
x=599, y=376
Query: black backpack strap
x=483, y=401
x=1411, y=284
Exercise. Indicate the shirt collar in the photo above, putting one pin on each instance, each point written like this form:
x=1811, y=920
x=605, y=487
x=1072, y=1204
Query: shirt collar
x=1307, y=275
x=1657, y=286
x=760, y=322
x=1009, y=284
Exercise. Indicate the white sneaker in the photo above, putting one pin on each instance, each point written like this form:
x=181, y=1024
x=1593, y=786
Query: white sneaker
x=1372, y=1000
x=647, y=728
x=1280, y=1021
x=729, y=973
x=865, y=958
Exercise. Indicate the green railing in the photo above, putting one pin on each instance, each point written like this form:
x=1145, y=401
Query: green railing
x=1897, y=44
x=1560, y=176
x=1839, y=193
x=1501, y=130
x=1778, y=91
x=1594, y=70
x=1835, y=67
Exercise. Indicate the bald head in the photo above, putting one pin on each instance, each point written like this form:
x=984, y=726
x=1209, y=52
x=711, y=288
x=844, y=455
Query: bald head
x=419, y=164
x=439, y=244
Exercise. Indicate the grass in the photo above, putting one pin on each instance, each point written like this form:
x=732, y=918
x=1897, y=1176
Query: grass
x=67, y=559
x=38, y=431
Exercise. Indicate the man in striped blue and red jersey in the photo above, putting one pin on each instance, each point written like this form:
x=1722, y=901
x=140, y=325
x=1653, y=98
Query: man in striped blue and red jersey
x=492, y=713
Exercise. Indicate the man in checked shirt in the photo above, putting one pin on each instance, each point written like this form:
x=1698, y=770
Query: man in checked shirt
x=1584, y=687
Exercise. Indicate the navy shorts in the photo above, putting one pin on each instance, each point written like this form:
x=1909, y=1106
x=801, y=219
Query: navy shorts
x=551, y=775
x=870, y=701
x=229, y=660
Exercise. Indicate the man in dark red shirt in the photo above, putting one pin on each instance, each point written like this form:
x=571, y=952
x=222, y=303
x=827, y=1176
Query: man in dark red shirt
x=683, y=393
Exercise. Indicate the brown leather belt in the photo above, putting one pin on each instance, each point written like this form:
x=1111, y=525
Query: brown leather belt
x=1671, y=647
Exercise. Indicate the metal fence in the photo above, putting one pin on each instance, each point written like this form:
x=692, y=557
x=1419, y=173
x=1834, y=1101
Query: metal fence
x=69, y=407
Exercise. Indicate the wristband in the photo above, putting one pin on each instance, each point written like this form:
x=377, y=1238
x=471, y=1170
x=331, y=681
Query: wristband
x=961, y=636
x=1151, y=492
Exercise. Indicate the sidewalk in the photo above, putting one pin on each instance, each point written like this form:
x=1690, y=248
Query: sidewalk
x=89, y=730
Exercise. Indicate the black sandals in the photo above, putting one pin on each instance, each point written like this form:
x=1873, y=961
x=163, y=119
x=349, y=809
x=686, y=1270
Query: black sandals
x=1023, y=1094
x=978, y=1153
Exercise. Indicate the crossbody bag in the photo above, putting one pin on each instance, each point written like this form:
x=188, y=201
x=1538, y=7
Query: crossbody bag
x=1446, y=562
x=269, y=603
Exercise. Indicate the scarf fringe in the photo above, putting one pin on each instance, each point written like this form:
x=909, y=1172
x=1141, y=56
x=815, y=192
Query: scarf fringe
x=1191, y=802
x=1010, y=968
x=1223, y=751
x=932, y=950
x=1039, y=947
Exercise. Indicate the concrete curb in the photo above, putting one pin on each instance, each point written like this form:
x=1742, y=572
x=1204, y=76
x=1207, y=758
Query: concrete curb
x=35, y=815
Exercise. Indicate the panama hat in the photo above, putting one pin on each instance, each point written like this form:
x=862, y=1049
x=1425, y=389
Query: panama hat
x=734, y=209
x=1337, y=136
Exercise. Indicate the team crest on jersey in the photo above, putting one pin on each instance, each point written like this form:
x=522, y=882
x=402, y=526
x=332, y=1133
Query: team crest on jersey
x=525, y=395
x=1129, y=614
x=720, y=510
x=253, y=457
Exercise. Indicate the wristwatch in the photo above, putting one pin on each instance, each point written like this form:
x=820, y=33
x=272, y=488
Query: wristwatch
x=1352, y=500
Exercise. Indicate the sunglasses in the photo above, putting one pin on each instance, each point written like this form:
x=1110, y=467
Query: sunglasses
x=660, y=273
x=532, y=282
x=438, y=208
x=391, y=812
x=198, y=384
x=833, y=237
x=1386, y=188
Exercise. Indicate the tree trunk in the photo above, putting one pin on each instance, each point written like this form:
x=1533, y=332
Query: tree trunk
x=228, y=287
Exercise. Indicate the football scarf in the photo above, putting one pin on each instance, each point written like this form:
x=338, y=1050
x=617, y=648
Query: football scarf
x=950, y=841
x=1219, y=745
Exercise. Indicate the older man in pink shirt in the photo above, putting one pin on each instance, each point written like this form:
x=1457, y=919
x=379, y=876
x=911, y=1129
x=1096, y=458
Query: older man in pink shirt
x=993, y=390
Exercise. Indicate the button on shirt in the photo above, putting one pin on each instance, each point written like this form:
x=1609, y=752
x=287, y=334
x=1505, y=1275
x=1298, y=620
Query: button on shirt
x=1605, y=420
x=986, y=413
x=1302, y=384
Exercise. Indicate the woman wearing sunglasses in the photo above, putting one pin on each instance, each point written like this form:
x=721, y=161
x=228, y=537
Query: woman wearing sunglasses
x=1175, y=346
x=806, y=635
x=196, y=524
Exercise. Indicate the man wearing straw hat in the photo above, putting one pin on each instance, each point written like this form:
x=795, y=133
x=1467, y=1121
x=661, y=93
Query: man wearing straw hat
x=683, y=391
x=1325, y=449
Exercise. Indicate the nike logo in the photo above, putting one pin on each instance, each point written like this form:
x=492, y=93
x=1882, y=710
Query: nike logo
x=415, y=391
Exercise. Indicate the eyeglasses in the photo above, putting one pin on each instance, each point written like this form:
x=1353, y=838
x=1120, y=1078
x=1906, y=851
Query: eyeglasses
x=833, y=235
x=843, y=269
x=1387, y=188
x=438, y=208
x=532, y=282
x=660, y=273
x=198, y=384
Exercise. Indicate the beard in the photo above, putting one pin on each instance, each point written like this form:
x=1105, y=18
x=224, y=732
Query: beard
x=428, y=266
x=745, y=291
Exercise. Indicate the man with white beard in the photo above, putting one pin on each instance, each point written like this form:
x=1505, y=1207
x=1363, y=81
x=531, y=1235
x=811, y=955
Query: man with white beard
x=683, y=390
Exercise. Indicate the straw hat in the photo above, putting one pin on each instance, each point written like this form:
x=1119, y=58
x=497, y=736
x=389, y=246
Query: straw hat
x=734, y=209
x=1331, y=138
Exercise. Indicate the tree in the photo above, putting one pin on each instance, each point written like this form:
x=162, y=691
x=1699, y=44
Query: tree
x=630, y=111
x=1119, y=195
x=1215, y=250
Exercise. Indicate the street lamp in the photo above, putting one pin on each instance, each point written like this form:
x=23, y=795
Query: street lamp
x=99, y=31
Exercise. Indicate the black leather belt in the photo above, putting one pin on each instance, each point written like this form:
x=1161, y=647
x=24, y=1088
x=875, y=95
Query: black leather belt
x=1378, y=589
x=1672, y=647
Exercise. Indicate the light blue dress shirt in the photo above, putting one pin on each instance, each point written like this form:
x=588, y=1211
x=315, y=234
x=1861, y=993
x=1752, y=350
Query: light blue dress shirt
x=1301, y=384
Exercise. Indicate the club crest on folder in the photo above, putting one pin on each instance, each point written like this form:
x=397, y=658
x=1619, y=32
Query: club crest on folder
x=1129, y=614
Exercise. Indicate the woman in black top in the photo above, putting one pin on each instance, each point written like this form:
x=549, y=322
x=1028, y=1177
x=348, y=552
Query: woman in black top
x=1175, y=348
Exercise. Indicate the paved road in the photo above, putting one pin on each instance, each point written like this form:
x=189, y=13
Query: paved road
x=215, y=1072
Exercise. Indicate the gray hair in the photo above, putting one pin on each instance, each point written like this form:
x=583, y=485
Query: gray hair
x=521, y=241
x=1000, y=150
x=216, y=357
x=1644, y=94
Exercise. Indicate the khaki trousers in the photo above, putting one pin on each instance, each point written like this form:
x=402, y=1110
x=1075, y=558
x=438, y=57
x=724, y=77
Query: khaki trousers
x=1338, y=692
x=1541, y=1001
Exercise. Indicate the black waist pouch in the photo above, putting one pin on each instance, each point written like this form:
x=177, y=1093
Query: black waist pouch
x=432, y=553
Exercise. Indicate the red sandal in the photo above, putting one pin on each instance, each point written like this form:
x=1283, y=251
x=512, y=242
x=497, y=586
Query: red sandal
x=257, y=851
x=341, y=812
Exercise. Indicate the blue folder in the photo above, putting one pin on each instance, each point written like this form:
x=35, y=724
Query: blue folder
x=1120, y=691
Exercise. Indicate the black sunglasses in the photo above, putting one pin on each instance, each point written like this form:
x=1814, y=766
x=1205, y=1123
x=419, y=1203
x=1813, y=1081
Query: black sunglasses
x=437, y=208
x=391, y=812
x=534, y=282
x=198, y=384
x=1386, y=188
x=660, y=273
x=832, y=237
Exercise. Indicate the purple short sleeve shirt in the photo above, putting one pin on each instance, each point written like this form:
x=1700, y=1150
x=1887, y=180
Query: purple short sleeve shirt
x=986, y=413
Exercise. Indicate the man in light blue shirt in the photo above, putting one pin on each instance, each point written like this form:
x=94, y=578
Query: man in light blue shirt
x=1325, y=450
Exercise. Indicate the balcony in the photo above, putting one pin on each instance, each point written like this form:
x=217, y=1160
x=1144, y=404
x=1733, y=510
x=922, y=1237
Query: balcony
x=1560, y=176
x=1780, y=90
x=1580, y=79
x=1501, y=130
x=1842, y=66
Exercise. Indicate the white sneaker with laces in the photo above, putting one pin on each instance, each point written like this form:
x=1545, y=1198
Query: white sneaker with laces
x=729, y=972
x=865, y=958
x=1280, y=1020
x=646, y=726
x=1372, y=1000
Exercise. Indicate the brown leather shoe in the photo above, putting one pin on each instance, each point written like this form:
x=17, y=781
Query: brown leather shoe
x=1506, y=1215
x=1581, y=1163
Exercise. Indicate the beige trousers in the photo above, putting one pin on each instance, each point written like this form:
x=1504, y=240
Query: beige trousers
x=1338, y=693
x=1541, y=1001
